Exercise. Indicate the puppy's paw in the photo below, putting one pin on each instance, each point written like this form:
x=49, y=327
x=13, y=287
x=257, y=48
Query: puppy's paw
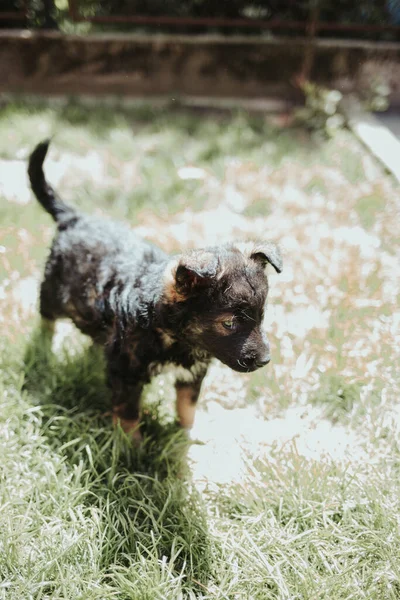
x=130, y=426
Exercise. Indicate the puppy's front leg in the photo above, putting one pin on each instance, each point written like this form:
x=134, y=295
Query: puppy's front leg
x=187, y=395
x=126, y=407
x=126, y=382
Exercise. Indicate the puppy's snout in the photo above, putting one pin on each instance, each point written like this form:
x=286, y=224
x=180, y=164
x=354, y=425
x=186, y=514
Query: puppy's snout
x=263, y=360
x=263, y=355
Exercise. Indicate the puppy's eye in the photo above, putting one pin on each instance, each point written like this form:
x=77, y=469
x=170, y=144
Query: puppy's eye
x=230, y=324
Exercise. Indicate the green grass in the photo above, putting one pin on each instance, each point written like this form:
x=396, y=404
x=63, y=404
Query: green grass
x=368, y=208
x=147, y=142
x=314, y=514
x=95, y=508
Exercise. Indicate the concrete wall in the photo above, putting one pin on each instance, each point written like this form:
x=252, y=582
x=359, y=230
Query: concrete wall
x=175, y=66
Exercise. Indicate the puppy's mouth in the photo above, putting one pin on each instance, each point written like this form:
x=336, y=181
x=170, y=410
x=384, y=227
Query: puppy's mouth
x=241, y=366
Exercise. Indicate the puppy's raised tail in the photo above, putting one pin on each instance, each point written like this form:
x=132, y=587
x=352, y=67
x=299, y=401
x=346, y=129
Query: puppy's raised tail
x=47, y=197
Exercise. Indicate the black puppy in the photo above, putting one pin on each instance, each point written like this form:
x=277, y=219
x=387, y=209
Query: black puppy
x=149, y=309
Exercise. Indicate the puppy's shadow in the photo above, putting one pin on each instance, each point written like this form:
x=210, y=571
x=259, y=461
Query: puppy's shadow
x=70, y=386
x=144, y=484
x=71, y=377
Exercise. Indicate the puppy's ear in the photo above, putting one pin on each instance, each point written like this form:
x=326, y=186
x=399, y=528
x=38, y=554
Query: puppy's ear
x=195, y=269
x=268, y=253
x=263, y=253
x=189, y=274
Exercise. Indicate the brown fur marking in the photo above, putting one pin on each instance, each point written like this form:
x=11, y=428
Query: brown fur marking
x=185, y=406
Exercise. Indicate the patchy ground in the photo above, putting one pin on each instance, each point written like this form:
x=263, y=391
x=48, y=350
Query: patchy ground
x=291, y=490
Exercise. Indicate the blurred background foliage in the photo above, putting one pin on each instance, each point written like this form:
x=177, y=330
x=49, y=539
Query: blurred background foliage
x=55, y=13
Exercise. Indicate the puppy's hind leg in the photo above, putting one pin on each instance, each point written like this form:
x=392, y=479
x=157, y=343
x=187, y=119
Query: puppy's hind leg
x=38, y=350
x=50, y=308
x=38, y=354
x=47, y=329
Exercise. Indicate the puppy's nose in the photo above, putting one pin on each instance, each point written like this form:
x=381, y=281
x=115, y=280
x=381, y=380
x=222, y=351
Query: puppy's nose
x=261, y=361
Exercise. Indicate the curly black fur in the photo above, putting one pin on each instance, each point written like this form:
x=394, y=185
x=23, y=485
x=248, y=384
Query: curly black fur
x=149, y=309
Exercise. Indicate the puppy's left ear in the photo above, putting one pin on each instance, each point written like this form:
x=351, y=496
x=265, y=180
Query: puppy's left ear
x=189, y=274
x=195, y=269
x=263, y=253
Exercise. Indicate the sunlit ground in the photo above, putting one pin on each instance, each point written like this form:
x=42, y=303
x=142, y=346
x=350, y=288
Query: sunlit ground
x=290, y=488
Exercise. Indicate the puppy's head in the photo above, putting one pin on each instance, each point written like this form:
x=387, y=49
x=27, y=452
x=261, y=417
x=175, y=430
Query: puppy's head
x=215, y=300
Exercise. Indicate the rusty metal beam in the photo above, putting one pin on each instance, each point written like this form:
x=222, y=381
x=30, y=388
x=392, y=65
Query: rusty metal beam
x=193, y=22
x=277, y=24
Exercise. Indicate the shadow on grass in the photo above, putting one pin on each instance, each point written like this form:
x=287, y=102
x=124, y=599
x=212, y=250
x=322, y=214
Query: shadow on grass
x=147, y=503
